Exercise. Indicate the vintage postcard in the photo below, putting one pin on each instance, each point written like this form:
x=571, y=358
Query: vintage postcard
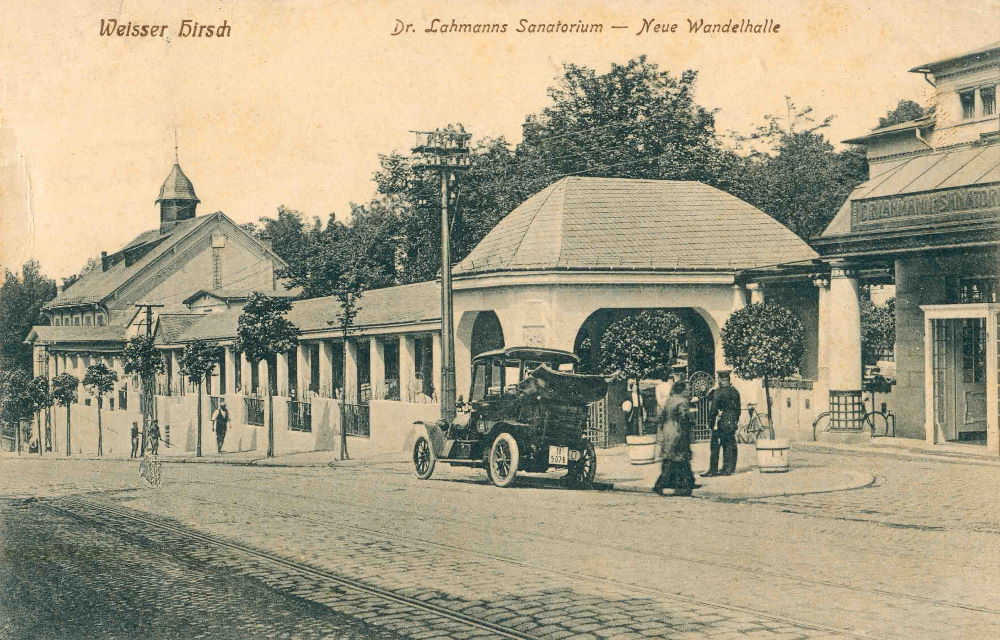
x=500, y=319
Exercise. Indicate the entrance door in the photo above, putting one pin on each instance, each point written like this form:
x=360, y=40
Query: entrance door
x=959, y=379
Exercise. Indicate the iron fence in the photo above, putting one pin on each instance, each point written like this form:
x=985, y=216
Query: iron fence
x=356, y=419
x=299, y=416
x=254, y=411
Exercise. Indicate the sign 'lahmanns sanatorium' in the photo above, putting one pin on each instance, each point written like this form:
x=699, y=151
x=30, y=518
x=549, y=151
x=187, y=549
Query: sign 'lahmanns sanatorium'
x=897, y=208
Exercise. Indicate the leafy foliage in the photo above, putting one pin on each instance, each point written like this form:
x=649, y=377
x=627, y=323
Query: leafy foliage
x=878, y=329
x=763, y=340
x=99, y=380
x=21, y=300
x=16, y=402
x=142, y=357
x=642, y=345
x=263, y=329
x=905, y=111
x=64, y=389
x=198, y=359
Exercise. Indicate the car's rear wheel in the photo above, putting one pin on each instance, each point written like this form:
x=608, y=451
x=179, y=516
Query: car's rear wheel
x=423, y=458
x=505, y=456
x=583, y=471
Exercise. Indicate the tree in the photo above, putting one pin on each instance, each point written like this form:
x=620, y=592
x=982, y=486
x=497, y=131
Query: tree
x=17, y=403
x=262, y=331
x=905, y=111
x=197, y=361
x=643, y=345
x=797, y=177
x=64, y=393
x=142, y=358
x=348, y=293
x=41, y=399
x=99, y=381
x=21, y=300
x=878, y=329
x=763, y=340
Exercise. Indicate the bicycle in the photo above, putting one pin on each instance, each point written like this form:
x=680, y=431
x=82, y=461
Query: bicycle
x=751, y=430
x=880, y=422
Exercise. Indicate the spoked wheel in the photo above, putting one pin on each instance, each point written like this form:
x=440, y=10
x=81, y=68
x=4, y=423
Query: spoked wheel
x=878, y=423
x=761, y=425
x=503, y=461
x=583, y=471
x=423, y=458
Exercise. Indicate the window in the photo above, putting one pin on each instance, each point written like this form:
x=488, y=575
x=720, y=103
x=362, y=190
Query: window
x=478, y=383
x=975, y=290
x=100, y=319
x=88, y=320
x=968, y=100
x=988, y=98
x=58, y=321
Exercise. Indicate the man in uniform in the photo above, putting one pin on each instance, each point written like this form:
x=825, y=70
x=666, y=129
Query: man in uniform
x=723, y=415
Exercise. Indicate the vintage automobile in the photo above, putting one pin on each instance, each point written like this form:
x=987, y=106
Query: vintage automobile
x=527, y=411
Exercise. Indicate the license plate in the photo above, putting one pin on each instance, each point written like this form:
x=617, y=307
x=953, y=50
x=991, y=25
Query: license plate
x=558, y=455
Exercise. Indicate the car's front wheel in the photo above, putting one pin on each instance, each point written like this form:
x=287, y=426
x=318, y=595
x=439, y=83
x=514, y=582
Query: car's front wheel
x=583, y=471
x=505, y=456
x=423, y=458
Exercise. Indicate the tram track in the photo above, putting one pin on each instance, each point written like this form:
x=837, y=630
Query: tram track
x=479, y=623
x=387, y=594
x=604, y=547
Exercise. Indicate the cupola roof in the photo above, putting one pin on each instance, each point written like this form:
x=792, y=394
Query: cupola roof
x=177, y=186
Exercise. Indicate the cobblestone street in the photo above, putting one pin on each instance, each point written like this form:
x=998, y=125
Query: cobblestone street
x=366, y=550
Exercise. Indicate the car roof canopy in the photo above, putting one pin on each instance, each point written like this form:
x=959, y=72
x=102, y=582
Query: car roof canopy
x=539, y=354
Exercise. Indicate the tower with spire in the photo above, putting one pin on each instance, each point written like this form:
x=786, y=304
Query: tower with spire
x=177, y=200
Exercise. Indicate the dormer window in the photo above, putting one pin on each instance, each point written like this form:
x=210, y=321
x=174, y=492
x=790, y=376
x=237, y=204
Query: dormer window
x=968, y=100
x=988, y=98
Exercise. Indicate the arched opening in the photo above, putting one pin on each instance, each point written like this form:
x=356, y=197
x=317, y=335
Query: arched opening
x=669, y=341
x=694, y=349
x=487, y=334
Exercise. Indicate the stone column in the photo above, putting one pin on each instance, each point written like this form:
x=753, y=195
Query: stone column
x=436, y=362
x=842, y=335
x=262, y=380
x=245, y=377
x=351, y=371
x=406, y=358
x=302, y=370
x=376, y=368
x=326, y=368
x=756, y=293
x=231, y=365
x=175, y=364
x=823, y=346
x=282, y=374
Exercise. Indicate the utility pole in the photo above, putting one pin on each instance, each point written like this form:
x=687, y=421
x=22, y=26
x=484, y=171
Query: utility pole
x=146, y=404
x=446, y=152
x=149, y=315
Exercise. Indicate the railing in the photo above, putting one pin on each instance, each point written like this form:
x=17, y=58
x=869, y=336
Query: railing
x=254, y=414
x=299, y=416
x=597, y=423
x=356, y=419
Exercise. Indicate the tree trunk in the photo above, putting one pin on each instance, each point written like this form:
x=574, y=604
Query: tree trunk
x=343, y=403
x=197, y=451
x=144, y=407
x=767, y=395
x=17, y=434
x=270, y=419
x=41, y=436
x=69, y=450
x=100, y=430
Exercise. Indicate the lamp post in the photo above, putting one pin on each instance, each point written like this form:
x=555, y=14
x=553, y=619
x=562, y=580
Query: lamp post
x=445, y=152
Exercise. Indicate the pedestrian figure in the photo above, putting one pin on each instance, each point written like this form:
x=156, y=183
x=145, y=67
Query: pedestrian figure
x=674, y=424
x=135, y=440
x=723, y=415
x=220, y=422
x=154, y=437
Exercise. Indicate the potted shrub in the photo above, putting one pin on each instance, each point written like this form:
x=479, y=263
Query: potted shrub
x=764, y=341
x=642, y=347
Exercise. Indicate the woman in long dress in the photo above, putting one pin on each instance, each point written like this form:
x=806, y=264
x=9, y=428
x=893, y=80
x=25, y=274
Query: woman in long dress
x=673, y=434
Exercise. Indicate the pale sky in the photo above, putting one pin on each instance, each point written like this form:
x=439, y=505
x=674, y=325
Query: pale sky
x=294, y=107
